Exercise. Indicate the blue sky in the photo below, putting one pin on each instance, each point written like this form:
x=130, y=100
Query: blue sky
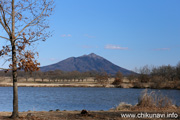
x=129, y=33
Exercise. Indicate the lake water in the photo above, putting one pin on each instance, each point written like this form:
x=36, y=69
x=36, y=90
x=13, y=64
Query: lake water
x=69, y=98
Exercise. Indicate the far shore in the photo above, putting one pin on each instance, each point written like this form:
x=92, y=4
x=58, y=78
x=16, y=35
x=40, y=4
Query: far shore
x=53, y=85
x=72, y=85
x=89, y=82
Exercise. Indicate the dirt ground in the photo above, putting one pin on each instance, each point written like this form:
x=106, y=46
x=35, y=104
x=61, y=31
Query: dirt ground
x=92, y=115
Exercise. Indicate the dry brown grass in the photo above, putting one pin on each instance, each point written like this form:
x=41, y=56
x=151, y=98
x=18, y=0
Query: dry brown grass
x=150, y=102
x=123, y=106
x=154, y=100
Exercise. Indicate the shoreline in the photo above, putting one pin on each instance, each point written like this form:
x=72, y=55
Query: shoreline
x=74, y=85
x=53, y=85
x=90, y=115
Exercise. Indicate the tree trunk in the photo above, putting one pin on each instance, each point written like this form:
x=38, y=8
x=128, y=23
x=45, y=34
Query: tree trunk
x=15, y=113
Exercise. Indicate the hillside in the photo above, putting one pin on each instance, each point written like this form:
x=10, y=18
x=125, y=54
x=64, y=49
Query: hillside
x=91, y=62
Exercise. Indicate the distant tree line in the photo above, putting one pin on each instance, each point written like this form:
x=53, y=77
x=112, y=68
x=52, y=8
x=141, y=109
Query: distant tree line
x=58, y=75
x=148, y=74
x=165, y=75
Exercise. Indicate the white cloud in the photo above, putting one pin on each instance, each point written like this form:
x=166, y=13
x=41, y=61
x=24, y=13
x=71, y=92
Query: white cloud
x=88, y=46
x=66, y=35
x=116, y=47
x=69, y=35
x=63, y=35
x=162, y=49
x=89, y=36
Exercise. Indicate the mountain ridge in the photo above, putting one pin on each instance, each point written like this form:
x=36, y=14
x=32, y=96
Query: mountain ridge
x=84, y=63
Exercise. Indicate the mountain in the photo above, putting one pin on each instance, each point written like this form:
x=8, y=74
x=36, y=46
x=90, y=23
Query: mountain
x=91, y=62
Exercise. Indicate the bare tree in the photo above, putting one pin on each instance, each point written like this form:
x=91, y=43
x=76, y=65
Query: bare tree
x=118, y=78
x=24, y=22
x=144, y=75
x=102, y=78
x=178, y=70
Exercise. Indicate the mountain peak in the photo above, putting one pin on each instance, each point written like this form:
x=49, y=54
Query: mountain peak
x=93, y=55
x=90, y=62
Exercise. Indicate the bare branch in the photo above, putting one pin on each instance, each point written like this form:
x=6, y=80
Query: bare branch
x=6, y=61
x=8, y=30
x=4, y=27
x=32, y=21
x=4, y=38
x=7, y=12
x=26, y=6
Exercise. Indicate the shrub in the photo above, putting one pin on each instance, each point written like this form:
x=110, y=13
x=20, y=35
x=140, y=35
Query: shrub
x=118, y=78
x=123, y=106
x=117, y=82
x=102, y=78
x=154, y=100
